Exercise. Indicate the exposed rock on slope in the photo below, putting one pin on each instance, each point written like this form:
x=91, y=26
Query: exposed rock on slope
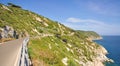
x=51, y=43
x=8, y=33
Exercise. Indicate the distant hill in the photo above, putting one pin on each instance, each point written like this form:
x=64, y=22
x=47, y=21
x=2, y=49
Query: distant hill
x=90, y=34
x=51, y=43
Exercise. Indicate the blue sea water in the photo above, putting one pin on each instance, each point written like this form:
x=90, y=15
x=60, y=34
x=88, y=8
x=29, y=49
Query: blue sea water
x=112, y=44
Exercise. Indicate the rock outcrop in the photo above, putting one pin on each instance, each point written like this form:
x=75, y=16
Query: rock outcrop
x=8, y=33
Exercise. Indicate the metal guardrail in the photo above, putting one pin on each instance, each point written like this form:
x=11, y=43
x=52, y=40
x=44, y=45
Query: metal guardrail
x=23, y=57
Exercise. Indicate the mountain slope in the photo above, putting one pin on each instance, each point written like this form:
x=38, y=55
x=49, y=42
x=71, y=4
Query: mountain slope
x=51, y=43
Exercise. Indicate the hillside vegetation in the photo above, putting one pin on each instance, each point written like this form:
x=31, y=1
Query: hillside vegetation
x=51, y=43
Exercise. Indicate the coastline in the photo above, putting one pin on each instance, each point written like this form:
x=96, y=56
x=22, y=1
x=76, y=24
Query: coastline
x=111, y=43
x=104, y=59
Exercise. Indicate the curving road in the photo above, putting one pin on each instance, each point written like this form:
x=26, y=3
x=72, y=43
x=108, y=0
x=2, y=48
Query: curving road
x=9, y=52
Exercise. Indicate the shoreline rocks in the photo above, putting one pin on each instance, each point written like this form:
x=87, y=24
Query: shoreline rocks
x=101, y=54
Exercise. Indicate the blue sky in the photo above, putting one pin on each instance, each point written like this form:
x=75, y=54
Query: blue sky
x=102, y=16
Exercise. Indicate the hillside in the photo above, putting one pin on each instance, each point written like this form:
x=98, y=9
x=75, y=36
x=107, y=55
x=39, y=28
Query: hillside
x=51, y=43
x=90, y=34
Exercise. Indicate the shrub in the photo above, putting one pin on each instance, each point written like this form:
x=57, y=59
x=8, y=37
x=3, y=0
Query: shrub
x=13, y=5
x=58, y=36
x=64, y=40
x=71, y=63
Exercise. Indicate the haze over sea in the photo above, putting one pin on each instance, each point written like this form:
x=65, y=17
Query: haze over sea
x=112, y=44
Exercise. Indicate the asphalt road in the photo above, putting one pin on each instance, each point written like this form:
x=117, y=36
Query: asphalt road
x=9, y=52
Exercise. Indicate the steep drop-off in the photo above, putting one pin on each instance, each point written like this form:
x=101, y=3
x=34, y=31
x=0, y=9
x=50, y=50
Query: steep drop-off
x=51, y=43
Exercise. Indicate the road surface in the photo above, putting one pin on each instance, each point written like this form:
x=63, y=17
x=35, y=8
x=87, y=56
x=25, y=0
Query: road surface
x=9, y=52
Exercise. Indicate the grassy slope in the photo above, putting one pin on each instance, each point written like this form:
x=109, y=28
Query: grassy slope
x=49, y=50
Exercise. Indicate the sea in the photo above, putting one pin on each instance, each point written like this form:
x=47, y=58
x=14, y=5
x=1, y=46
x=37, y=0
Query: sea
x=112, y=45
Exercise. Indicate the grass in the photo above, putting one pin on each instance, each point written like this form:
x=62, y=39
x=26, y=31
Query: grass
x=39, y=48
x=41, y=51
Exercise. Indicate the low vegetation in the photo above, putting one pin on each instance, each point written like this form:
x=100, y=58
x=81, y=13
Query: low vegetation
x=50, y=41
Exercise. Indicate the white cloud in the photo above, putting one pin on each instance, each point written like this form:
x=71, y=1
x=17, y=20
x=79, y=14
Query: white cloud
x=94, y=25
x=72, y=19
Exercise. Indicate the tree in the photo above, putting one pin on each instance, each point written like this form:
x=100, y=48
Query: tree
x=13, y=5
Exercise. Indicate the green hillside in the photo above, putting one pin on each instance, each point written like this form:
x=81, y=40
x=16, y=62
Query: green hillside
x=51, y=43
x=90, y=34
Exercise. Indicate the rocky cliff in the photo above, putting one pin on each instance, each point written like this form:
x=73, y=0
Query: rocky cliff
x=51, y=43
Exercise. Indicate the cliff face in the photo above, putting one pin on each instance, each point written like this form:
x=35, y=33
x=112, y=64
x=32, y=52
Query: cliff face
x=51, y=43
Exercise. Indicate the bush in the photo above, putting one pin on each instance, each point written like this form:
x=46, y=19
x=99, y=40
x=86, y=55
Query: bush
x=58, y=36
x=71, y=63
x=64, y=40
x=13, y=5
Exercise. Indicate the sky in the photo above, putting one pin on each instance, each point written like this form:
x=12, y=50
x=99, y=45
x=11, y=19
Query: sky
x=101, y=16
